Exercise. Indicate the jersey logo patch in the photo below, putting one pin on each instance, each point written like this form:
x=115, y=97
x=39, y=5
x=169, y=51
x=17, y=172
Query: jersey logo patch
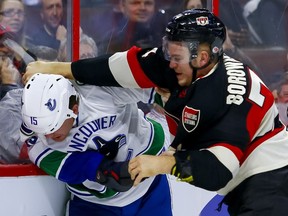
x=110, y=148
x=190, y=118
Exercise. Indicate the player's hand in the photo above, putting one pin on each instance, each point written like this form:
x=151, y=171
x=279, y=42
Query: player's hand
x=61, y=68
x=144, y=166
x=33, y=68
x=61, y=33
x=9, y=73
x=169, y=152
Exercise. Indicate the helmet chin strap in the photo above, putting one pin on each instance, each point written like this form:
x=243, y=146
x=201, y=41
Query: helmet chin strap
x=194, y=72
x=195, y=69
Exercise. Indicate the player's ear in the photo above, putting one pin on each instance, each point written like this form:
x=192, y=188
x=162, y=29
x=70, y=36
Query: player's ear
x=75, y=109
x=204, y=57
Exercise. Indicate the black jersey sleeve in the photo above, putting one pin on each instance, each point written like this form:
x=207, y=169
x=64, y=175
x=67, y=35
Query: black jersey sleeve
x=202, y=169
x=94, y=71
x=146, y=67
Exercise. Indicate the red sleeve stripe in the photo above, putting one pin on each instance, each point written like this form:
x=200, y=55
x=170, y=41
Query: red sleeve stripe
x=172, y=125
x=120, y=69
x=139, y=75
x=127, y=70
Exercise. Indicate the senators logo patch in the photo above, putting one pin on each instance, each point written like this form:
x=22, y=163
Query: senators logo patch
x=190, y=118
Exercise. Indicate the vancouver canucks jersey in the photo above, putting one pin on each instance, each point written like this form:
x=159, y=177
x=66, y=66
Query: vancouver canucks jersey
x=108, y=116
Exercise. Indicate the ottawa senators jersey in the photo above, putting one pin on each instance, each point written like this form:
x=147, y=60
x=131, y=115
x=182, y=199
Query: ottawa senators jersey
x=229, y=113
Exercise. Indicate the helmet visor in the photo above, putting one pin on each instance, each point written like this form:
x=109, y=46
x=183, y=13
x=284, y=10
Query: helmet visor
x=179, y=52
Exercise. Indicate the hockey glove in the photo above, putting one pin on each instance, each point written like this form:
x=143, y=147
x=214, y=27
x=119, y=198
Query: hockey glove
x=114, y=175
x=182, y=169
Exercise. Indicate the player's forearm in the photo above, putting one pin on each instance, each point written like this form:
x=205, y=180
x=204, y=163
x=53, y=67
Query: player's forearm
x=61, y=68
x=166, y=163
x=80, y=166
x=149, y=165
x=95, y=71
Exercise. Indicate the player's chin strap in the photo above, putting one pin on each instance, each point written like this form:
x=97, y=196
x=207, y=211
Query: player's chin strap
x=195, y=69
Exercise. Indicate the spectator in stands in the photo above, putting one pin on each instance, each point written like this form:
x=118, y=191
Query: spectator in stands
x=191, y=4
x=52, y=31
x=93, y=14
x=236, y=52
x=9, y=75
x=228, y=46
x=44, y=53
x=281, y=97
x=279, y=89
x=12, y=149
x=142, y=25
x=10, y=66
x=12, y=16
x=231, y=13
x=88, y=48
x=268, y=19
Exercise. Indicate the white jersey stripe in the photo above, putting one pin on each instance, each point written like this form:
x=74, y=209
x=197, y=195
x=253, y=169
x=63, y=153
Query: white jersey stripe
x=121, y=71
x=227, y=158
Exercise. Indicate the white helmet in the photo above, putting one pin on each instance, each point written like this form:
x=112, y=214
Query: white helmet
x=45, y=102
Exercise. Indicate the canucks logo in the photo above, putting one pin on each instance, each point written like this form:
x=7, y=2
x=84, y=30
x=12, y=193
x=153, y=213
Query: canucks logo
x=110, y=148
x=51, y=104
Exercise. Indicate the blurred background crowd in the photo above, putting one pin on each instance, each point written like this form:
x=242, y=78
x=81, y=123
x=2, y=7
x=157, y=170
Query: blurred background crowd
x=256, y=34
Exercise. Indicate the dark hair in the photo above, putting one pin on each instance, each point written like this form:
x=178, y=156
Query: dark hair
x=203, y=2
x=44, y=52
x=2, y=1
x=73, y=100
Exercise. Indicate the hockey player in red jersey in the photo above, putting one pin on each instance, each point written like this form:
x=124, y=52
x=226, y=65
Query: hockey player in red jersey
x=229, y=138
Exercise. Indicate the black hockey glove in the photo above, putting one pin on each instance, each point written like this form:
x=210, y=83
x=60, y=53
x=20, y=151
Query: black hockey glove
x=182, y=169
x=114, y=175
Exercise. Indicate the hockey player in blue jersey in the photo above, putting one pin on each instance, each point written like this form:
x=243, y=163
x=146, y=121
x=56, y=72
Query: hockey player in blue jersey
x=85, y=135
x=228, y=138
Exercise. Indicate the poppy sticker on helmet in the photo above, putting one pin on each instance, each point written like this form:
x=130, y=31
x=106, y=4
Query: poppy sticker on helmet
x=202, y=21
